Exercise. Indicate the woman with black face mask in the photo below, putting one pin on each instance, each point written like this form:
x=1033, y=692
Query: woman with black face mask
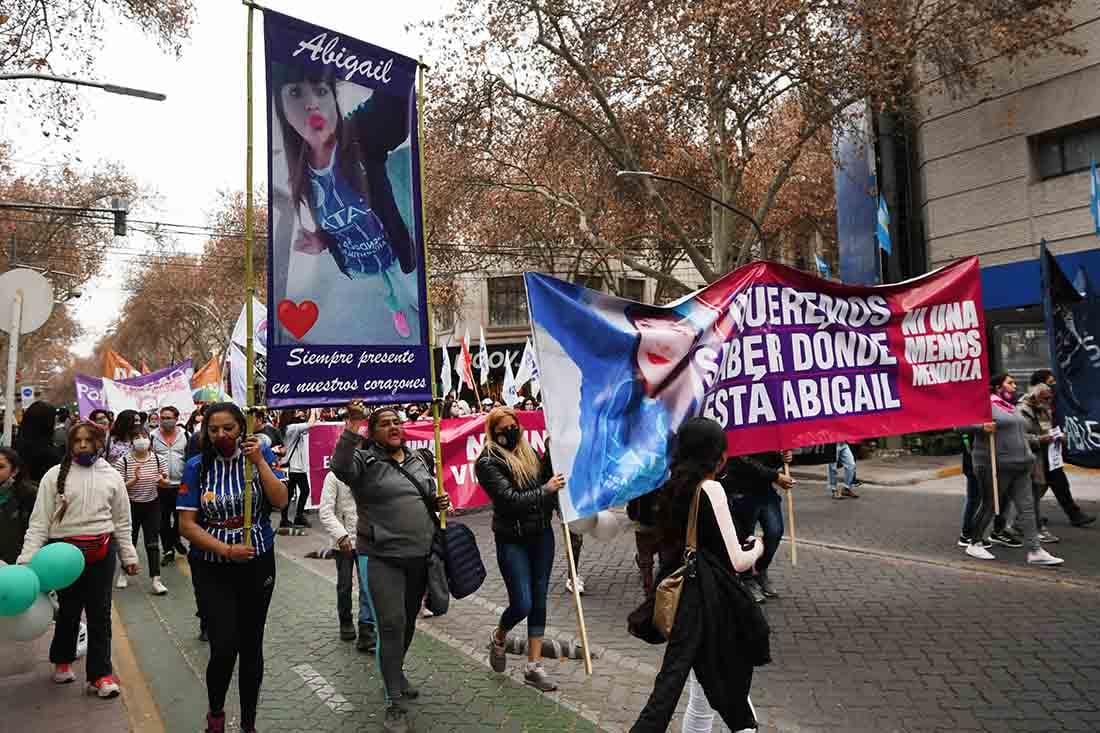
x=524, y=499
x=235, y=581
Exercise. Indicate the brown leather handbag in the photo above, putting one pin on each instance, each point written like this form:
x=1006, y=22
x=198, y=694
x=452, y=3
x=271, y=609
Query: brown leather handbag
x=666, y=599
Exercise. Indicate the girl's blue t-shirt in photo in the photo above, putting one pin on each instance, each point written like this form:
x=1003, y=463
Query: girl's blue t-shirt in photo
x=220, y=499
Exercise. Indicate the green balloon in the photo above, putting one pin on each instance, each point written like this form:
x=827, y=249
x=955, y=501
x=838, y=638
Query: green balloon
x=18, y=589
x=57, y=565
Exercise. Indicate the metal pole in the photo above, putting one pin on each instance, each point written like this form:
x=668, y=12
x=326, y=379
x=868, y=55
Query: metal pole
x=249, y=285
x=112, y=88
x=13, y=361
x=436, y=409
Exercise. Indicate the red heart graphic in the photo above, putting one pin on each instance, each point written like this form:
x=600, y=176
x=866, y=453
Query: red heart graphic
x=298, y=318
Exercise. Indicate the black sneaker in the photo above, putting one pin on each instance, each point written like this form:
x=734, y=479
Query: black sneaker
x=168, y=558
x=367, y=639
x=1004, y=539
x=1080, y=519
x=408, y=691
x=754, y=588
x=180, y=548
x=397, y=720
x=766, y=587
x=347, y=631
x=963, y=542
x=301, y=521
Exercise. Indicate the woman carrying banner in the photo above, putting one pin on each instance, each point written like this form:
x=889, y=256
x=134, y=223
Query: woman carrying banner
x=396, y=502
x=1014, y=472
x=235, y=581
x=340, y=168
x=83, y=501
x=144, y=474
x=711, y=618
x=524, y=500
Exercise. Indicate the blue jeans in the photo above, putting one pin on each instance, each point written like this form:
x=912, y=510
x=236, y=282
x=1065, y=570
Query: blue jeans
x=973, y=492
x=348, y=565
x=847, y=461
x=766, y=509
x=525, y=567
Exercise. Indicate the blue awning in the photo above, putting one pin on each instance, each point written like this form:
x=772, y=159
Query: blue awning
x=1017, y=284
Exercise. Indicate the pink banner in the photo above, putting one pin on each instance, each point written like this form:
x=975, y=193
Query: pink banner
x=462, y=440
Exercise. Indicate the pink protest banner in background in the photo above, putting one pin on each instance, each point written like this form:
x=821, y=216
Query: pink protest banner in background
x=462, y=440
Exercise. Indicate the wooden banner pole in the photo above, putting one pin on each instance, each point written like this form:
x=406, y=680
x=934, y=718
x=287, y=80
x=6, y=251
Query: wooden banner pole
x=790, y=517
x=437, y=411
x=249, y=284
x=577, y=600
x=996, y=488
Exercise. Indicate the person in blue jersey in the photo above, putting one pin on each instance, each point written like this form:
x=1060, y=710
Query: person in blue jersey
x=354, y=176
x=637, y=387
x=234, y=580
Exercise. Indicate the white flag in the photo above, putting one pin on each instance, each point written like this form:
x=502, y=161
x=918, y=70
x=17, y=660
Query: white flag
x=528, y=369
x=511, y=390
x=445, y=372
x=259, y=329
x=483, y=353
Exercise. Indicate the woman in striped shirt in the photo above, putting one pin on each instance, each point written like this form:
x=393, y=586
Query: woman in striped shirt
x=144, y=475
x=234, y=580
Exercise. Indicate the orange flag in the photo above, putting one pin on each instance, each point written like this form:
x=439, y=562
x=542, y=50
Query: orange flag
x=115, y=367
x=210, y=374
x=144, y=367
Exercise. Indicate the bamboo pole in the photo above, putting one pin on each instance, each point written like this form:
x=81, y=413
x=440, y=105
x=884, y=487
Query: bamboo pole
x=249, y=283
x=577, y=600
x=790, y=517
x=436, y=408
x=996, y=488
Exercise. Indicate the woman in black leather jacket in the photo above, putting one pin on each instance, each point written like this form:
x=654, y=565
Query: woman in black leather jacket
x=524, y=500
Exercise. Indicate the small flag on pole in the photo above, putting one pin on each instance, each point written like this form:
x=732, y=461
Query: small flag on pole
x=822, y=266
x=882, y=232
x=467, y=372
x=1095, y=200
x=445, y=372
x=483, y=355
x=511, y=390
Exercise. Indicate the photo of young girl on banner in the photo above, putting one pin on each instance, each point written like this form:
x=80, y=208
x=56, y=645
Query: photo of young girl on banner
x=346, y=270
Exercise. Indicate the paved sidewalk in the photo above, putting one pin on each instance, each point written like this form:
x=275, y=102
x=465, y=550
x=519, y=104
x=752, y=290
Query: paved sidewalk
x=32, y=702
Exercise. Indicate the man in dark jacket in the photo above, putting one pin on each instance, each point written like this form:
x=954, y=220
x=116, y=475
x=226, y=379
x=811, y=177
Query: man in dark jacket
x=751, y=482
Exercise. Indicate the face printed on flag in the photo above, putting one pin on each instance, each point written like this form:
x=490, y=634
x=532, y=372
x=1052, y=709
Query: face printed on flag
x=663, y=343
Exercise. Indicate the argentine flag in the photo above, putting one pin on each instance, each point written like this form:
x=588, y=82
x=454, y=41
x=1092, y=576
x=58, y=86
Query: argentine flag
x=882, y=232
x=822, y=266
x=1094, y=202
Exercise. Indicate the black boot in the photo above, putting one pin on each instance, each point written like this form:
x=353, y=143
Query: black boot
x=1080, y=519
x=347, y=630
x=367, y=639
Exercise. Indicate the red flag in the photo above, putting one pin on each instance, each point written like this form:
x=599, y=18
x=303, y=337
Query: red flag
x=467, y=361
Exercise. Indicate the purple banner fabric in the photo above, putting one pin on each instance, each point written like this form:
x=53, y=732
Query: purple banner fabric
x=89, y=394
x=347, y=289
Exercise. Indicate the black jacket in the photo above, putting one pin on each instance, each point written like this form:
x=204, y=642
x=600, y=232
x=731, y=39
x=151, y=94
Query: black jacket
x=519, y=512
x=752, y=474
x=16, y=505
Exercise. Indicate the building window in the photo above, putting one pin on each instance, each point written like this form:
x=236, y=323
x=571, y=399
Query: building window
x=632, y=288
x=1021, y=349
x=592, y=282
x=1068, y=150
x=507, y=301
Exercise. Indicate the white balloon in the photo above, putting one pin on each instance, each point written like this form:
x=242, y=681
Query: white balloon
x=31, y=624
x=584, y=525
x=607, y=526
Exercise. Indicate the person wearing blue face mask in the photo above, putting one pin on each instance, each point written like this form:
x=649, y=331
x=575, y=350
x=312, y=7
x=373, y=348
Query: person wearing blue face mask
x=83, y=501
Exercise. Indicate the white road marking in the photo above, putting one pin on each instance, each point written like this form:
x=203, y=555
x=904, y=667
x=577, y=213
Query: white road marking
x=322, y=689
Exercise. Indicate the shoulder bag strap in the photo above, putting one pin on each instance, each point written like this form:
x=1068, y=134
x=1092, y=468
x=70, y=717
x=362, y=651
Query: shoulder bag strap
x=419, y=489
x=693, y=522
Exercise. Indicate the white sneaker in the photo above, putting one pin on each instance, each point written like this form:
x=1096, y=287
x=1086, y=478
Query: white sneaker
x=121, y=582
x=580, y=585
x=978, y=552
x=1042, y=557
x=158, y=587
x=63, y=674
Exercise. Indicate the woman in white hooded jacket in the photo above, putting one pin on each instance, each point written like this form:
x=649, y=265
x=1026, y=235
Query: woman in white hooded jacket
x=338, y=516
x=84, y=501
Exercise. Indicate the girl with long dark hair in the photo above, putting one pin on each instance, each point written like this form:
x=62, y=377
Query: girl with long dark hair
x=123, y=431
x=34, y=442
x=706, y=614
x=524, y=501
x=235, y=581
x=340, y=168
x=144, y=474
x=17, y=496
x=83, y=501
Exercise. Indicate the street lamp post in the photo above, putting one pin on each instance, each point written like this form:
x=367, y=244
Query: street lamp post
x=112, y=88
x=699, y=191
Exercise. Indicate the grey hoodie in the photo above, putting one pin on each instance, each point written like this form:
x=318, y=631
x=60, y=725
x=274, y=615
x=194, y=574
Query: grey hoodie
x=1013, y=451
x=393, y=519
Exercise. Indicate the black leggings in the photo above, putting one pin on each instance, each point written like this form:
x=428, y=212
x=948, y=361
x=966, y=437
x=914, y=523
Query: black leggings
x=145, y=517
x=296, y=482
x=90, y=595
x=236, y=597
x=169, y=518
x=395, y=587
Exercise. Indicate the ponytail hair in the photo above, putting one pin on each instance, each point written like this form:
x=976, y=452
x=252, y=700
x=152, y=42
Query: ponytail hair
x=698, y=450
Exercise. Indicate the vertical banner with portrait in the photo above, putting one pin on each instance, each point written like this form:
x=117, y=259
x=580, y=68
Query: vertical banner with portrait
x=347, y=288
